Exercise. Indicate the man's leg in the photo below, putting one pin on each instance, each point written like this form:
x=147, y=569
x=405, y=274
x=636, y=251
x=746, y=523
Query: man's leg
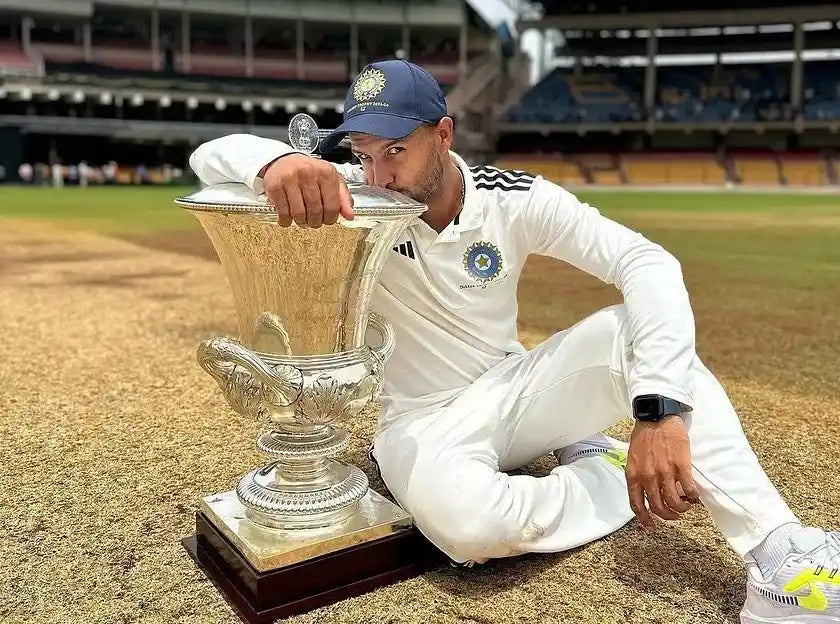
x=445, y=468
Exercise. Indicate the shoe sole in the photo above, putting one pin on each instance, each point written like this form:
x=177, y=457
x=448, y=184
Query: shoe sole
x=802, y=618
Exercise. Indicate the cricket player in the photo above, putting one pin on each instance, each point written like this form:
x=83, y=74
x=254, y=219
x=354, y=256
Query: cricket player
x=464, y=401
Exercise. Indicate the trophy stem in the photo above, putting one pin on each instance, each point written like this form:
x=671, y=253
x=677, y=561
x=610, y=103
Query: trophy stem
x=305, y=470
x=302, y=488
x=290, y=443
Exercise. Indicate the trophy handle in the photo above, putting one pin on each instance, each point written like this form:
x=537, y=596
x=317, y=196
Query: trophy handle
x=277, y=385
x=386, y=332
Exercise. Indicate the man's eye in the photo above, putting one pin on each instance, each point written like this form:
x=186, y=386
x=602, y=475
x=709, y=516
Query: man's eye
x=395, y=150
x=362, y=156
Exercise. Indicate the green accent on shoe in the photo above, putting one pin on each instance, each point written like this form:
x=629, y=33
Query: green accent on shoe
x=617, y=457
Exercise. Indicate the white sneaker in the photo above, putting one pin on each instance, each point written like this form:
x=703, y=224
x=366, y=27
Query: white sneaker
x=804, y=589
x=611, y=450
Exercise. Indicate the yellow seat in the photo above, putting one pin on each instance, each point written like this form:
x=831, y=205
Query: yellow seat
x=760, y=171
x=673, y=170
x=646, y=171
x=804, y=172
x=607, y=176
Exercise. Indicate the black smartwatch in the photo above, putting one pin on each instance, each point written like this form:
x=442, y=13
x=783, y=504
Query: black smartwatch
x=655, y=407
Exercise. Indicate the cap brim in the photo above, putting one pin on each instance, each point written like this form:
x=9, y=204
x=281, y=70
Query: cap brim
x=377, y=124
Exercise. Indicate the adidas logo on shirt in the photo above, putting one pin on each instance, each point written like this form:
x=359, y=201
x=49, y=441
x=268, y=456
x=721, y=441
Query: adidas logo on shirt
x=405, y=249
x=493, y=178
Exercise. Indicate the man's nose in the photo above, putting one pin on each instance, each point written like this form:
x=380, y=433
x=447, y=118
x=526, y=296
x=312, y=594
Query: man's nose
x=381, y=176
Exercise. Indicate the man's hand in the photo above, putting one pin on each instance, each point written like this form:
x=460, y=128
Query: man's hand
x=659, y=469
x=306, y=190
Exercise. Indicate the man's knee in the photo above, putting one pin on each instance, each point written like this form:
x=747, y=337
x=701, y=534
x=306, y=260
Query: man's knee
x=462, y=509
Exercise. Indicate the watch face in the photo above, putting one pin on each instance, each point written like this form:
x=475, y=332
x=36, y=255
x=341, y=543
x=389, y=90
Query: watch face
x=648, y=407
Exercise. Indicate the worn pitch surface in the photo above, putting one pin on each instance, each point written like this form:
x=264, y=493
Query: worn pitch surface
x=111, y=432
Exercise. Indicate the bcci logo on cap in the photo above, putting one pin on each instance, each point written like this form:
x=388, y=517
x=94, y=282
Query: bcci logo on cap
x=369, y=84
x=483, y=261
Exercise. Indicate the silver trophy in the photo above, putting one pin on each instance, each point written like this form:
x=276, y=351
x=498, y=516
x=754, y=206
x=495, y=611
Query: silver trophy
x=300, y=365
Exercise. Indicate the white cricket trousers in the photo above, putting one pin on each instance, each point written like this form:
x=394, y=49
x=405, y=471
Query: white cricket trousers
x=446, y=467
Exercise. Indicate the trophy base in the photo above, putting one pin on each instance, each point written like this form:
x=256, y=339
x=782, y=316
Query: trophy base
x=308, y=569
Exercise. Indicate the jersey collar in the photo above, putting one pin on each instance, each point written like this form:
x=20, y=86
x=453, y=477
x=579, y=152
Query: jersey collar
x=471, y=215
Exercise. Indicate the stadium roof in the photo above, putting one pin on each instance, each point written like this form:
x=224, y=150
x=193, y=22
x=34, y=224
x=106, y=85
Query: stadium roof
x=599, y=14
x=599, y=7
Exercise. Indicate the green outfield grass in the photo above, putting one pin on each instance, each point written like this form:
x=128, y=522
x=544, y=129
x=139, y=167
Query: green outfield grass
x=115, y=209
x=782, y=234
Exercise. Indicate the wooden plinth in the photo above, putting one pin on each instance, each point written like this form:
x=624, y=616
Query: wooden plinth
x=263, y=597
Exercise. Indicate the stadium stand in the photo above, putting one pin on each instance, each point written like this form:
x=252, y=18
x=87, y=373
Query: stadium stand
x=804, y=170
x=709, y=95
x=757, y=170
x=598, y=113
x=570, y=97
x=822, y=91
x=723, y=93
x=14, y=62
x=90, y=81
x=687, y=169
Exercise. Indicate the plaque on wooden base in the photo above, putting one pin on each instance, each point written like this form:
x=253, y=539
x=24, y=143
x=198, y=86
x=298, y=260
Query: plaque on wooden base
x=262, y=597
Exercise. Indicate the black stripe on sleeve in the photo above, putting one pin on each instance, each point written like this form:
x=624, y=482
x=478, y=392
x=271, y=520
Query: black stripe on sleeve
x=493, y=187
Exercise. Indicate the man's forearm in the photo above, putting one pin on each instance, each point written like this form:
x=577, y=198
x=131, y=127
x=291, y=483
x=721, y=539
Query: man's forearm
x=661, y=323
x=236, y=158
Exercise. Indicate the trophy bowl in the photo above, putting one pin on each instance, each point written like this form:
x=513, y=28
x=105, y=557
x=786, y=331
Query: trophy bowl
x=300, y=363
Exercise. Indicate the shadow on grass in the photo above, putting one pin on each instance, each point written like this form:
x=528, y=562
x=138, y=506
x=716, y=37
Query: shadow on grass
x=669, y=566
x=673, y=566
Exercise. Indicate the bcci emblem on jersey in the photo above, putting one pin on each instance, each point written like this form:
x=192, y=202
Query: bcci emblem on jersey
x=483, y=261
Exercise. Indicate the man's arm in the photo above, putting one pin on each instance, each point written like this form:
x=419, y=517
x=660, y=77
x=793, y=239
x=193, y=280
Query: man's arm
x=650, y=279
x=243, y=157
x=305, y=190
x=661, y=322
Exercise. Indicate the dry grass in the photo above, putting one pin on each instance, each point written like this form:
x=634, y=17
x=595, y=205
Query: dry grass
x=112, y=433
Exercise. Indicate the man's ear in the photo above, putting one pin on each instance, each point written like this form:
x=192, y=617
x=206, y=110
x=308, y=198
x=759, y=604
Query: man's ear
x=444, y=132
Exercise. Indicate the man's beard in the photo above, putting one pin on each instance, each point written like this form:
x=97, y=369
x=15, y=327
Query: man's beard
x=429, y=185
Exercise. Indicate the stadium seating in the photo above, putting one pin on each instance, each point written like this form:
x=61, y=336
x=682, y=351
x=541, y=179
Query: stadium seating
x=822, y=93
x=607, y=177
x=722, y=92
x=59, y=52
x=757, y=170
x=688, y=169
x=804, y=170
x=13, y=60
x=588, y=97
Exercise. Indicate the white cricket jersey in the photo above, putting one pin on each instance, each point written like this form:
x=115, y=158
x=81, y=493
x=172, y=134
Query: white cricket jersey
x=451, y=296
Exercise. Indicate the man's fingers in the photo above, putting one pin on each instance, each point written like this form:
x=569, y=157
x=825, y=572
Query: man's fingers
x=297, y=210
x=312, y=202
x=346, y=201
x=281, y=206
x=671, y=497
x=654, y=498
x=637, y=503
x=689, y=486
x=331, y=195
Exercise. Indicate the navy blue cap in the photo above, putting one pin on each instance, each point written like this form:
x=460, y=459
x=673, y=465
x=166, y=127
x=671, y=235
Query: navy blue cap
x=389, y=99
